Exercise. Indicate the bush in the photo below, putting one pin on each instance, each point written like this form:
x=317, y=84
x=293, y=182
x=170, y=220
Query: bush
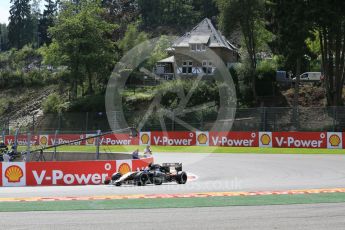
x=266, y=74
x=54, y=104
x=5, y=104
x=95, y=103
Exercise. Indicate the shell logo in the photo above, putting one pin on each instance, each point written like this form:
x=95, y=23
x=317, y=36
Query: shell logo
x=90, y=141
x=124, y=168
x=145, y=138
x=43, y=140
x=202, y=138
x=265, y=139
x=13, y=174
x=334, y=140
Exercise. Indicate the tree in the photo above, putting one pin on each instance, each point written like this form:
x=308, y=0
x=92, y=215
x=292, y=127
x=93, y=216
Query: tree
x=205, y=8
x=132, y=38
x=176, y=14
x=3, y=37
x=80, y=41
x=122, y=12
x=246, y=16
x=291, y=25
x=47, y=20
x=19, y=28
x=329, y=22
x=35, y=19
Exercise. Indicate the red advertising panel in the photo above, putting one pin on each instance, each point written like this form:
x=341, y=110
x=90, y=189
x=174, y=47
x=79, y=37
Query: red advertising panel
x=61, y=139
x=173, y=138
x=234, y=139
x=118, y=139
x=68, y=173
x=0, y=174
x=9, y=140
x=299, y=139
x=141, y=164
x=22, y=140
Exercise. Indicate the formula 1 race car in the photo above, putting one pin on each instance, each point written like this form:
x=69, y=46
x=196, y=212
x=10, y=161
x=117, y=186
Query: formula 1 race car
x=154, y=174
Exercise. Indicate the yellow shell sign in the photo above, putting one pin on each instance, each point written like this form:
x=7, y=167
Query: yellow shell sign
x=145, y=138
x=43, y=140
x=124, y=168
x=265, y=139
x=13, y=174
x=90, y=141
x=202, y=138
x=334, y=140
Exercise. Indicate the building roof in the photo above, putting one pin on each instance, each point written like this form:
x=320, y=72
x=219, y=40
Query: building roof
x=168, y=60
x=204, y=33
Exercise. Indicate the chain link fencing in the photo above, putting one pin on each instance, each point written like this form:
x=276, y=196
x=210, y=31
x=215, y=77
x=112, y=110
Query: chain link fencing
x=245, y=119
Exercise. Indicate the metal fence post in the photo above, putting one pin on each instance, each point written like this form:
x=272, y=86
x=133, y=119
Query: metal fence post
x=16, y=139
x=3, y=136
x=173, y=122
x=55, y=143
x=86, y=122
x=33, y=123
x=334, y=118
x=98, y=144
x=8, y=126
x=263, y=119
x=202, y=121
x=28, y=144
x=59, y=121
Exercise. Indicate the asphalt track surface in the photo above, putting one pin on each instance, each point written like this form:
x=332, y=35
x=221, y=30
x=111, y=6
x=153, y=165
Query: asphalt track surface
x=316, y=217
x=221, y=172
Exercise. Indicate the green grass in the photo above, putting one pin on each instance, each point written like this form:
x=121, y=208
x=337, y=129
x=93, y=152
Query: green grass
x=202, y=149
x=172, y=202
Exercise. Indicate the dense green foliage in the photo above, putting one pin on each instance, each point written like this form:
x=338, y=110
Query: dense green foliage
x=80, y=41
x=53, y=104
x=178, y=15
x=46, y=21
x=20, y=26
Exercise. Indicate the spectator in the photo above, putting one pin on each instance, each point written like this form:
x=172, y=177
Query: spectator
x=6, y=157
x=147, y=152
x=135, y=154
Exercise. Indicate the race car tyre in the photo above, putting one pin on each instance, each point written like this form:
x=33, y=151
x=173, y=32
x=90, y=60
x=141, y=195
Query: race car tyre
x=181, y=177
x=118, y=184
x=116, y=176
x=107, y=180
x=157, y=180
x=141, y=179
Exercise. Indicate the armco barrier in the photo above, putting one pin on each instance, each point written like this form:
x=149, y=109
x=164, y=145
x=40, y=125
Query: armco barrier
x=331, y=140
x=64, y=173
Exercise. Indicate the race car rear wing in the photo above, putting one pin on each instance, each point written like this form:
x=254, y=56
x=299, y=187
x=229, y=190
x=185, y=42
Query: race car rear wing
x=172, y=167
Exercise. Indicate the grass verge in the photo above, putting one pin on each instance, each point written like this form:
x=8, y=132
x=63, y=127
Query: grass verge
x=172, y=202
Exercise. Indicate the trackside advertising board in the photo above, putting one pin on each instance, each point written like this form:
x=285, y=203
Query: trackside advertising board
x=299, y=140
x=64, y=173
x=173, y=138
x=233, y=139
x=21, y=140
x=118, y=139
x=331, y=140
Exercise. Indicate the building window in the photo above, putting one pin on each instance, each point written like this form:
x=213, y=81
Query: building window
x=198, y=47
x=207, y=67
x=203, y=47
x=187, y=67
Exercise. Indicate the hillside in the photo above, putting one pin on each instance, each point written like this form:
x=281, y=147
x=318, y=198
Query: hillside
x=19, y=105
